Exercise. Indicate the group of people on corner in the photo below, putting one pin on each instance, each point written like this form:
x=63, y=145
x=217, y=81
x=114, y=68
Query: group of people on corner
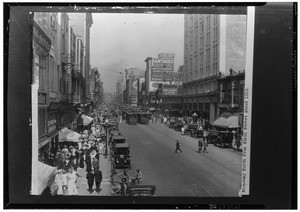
x=86, y=154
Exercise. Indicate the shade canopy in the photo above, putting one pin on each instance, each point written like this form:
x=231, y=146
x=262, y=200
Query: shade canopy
x=228, y=120
x=68, y=135
x=85, y=120
x=152, y=109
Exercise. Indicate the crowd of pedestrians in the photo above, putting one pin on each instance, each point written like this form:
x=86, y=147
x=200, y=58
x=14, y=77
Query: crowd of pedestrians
x=85, y=154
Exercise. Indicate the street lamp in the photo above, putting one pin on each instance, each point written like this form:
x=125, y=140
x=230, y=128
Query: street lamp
x=106, y=126
x=194, y=116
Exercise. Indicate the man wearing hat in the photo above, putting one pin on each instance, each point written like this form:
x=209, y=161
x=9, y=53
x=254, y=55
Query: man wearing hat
x=177, y=147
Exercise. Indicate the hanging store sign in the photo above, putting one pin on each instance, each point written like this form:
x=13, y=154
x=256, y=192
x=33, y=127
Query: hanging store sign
x=52, y=123
x=42, y=100
x=53, y=106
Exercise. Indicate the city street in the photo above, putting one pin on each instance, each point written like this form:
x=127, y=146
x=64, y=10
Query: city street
x=216, y=173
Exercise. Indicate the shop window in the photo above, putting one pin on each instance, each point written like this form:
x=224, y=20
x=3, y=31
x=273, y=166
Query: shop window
x=47, y=154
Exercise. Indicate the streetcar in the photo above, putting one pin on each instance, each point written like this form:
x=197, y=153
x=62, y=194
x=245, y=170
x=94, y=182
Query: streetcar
x=131, y=118
x=143, y=118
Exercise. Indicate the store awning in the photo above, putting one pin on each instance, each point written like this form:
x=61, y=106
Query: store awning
x=227, y=120
x=68, y=135
x=85, y=120
x=45, y=172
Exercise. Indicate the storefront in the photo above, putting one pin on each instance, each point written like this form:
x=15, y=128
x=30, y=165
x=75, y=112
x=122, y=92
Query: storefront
x=44, y=124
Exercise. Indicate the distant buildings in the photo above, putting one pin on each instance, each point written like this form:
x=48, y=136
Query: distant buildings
x=159, y=70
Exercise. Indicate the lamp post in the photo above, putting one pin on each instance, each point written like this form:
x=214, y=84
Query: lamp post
x=194, y=117
x=106, y=125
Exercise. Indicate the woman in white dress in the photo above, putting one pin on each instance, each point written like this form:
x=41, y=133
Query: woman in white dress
x=59, y=181
x=72, y=180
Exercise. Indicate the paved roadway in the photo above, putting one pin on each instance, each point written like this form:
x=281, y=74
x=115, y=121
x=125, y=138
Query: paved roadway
x=216, y=173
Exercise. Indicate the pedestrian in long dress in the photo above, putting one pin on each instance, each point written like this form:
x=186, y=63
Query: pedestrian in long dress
x=59, y=179
x=72, y=182
x=177, y=147
x=64, y=181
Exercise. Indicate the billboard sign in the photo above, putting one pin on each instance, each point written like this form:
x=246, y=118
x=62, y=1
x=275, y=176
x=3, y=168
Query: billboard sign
x=169, y=90
x=159, y=65
x=162, y=76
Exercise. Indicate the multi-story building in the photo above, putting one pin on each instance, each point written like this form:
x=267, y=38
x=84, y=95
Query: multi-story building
x=231, y=92
x=159, y=70
x=81, y=24
x=213, y=44
x=58, y=84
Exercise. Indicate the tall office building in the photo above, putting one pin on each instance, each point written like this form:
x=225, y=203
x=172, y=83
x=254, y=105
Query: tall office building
x=213, y=45
x=81, y=24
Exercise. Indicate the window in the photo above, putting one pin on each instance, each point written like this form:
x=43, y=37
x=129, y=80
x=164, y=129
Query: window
x=43, y=74
x=41, y=122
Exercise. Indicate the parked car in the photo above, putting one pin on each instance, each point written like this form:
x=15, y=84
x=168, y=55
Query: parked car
x=213, y=136
x=199, y=132
x=172, y=124
x=116, y=139
x=122, y=159
x=224, y=139
x=191, y=129
x=178, y=126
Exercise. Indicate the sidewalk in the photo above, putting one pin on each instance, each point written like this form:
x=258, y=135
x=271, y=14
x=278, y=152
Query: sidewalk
x=105, y=167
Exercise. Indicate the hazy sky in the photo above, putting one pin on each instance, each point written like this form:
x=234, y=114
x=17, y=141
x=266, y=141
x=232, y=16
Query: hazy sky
x=126, y=40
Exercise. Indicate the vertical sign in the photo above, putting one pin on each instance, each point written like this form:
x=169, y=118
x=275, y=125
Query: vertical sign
x=246, y=141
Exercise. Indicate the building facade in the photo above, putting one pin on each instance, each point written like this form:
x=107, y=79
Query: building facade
x=58, y=84
x=81, y=24
x=231, y=95
x=213, y=44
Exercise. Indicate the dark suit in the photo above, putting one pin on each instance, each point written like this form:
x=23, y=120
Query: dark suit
x=90, y=180
x=98, y=178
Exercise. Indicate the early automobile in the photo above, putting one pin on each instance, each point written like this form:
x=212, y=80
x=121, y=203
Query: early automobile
x=141, y=190
x=114, y=133
x=224, y=139
x=122, y=156
x=117, y=139
x=213, y=136
x=172, y=124
x=178, y=126
x=191, y=129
